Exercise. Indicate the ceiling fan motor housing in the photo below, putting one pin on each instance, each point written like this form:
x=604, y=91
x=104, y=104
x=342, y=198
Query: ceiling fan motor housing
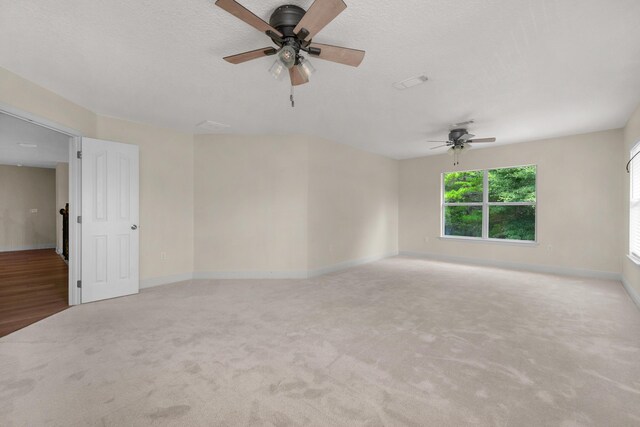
x=285, y=18
x=456, y=134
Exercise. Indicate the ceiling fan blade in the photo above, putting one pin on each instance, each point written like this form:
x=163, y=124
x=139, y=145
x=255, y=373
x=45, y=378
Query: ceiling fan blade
x=244, y=14
x=341, y=55
x=439, y=141
x=466, y=137
x=248, y=56
x=297, y=76
x=319, y=15
x=439, y=146
x=482, y=140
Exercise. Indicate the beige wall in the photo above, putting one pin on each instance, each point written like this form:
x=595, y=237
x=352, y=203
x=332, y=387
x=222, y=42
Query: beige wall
x=20, y=93
x=297, y=203
x=62, y=198
x=352, y=204
x=166, y=181
x=579, y=203
x=250, y=204
x=21, y=190
x=166, y=194
x=290, y=204
x=630, y=271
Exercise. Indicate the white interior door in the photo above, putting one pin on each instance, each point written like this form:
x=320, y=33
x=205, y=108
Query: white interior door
x=109, y=219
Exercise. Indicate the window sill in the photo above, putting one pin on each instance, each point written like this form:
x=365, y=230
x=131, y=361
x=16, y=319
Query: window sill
x=490, y=241
x=634, y=260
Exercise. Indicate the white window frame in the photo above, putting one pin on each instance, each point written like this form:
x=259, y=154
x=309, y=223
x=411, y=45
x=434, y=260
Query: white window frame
x=634, y=205
x=486, y=204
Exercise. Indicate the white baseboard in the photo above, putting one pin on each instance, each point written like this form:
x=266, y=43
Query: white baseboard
x=536, y=268
x=635, y=297
x=348, y=264
x=222, y=275
x=28, y=247
x=253, y=275
x=159, y=281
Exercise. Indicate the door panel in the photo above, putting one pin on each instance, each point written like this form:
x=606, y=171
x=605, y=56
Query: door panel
x=109, y=219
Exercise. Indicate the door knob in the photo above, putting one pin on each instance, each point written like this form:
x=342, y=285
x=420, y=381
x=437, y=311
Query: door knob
x=134, y=227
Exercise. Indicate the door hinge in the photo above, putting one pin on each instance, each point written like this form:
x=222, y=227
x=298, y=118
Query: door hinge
x=79, y=219
x=79, y=283
x=79, y=154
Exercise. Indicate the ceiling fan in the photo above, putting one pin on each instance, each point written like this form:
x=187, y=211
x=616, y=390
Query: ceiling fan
x=291, y=28
x=459, y=141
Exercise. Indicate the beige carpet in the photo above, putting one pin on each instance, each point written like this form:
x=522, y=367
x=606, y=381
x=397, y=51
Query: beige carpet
x=399, y=342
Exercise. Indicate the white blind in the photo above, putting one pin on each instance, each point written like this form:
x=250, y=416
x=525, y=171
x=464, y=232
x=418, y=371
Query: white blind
x=634, y=204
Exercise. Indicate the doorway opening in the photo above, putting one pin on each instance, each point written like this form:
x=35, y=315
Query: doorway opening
x=39, y=257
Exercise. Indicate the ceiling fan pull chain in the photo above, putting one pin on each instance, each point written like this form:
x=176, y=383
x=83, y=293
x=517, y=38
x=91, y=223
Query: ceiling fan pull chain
x=293, y=103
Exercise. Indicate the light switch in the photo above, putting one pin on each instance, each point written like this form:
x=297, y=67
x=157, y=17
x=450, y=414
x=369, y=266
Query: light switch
x=34, y=211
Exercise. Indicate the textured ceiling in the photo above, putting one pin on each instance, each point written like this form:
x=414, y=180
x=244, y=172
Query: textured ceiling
x=523, y=69
x=52, y=147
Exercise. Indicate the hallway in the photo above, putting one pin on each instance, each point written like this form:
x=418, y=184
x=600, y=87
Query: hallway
x=33, y=285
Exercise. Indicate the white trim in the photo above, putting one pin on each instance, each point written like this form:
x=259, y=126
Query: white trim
x=535, y=268
x=634, y=200
x=498, y=241
x=28, y=247
x=635, y=297
x=486, y=204
x=166, y=280
x=75, y=229
x=348, y=264
x=633, y=259
x=25, y=115
x=257, y=275
x=75, y=144
x=223, y=275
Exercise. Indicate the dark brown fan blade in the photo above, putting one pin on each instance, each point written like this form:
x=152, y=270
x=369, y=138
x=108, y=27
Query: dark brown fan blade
x=244, y=14
x=248, y=56
x=482, y=140
x=319, y=15
x=297, y=76
x=341, y=55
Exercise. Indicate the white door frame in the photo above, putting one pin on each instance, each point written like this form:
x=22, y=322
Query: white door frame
x=75, y=229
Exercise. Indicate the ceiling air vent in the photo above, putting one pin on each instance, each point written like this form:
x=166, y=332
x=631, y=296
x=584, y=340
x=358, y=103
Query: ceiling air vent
x=209, y=126
x=411, y=82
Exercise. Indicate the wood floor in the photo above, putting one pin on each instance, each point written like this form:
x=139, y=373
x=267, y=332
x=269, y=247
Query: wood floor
x=33, y=285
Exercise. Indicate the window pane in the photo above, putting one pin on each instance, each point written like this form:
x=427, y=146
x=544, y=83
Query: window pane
x=463, y=187
x=463, y=221
x=512, y=184
x=512, y=222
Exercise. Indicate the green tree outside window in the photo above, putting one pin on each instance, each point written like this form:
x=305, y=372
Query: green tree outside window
x=508, y=208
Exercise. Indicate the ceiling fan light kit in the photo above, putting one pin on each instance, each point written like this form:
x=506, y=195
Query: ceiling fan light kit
x=277, y=69
x=292, y=29
x=307, y=67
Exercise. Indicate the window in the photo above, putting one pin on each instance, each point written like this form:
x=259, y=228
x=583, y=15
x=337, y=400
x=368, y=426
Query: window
x=634, y=205
x=494, y=204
